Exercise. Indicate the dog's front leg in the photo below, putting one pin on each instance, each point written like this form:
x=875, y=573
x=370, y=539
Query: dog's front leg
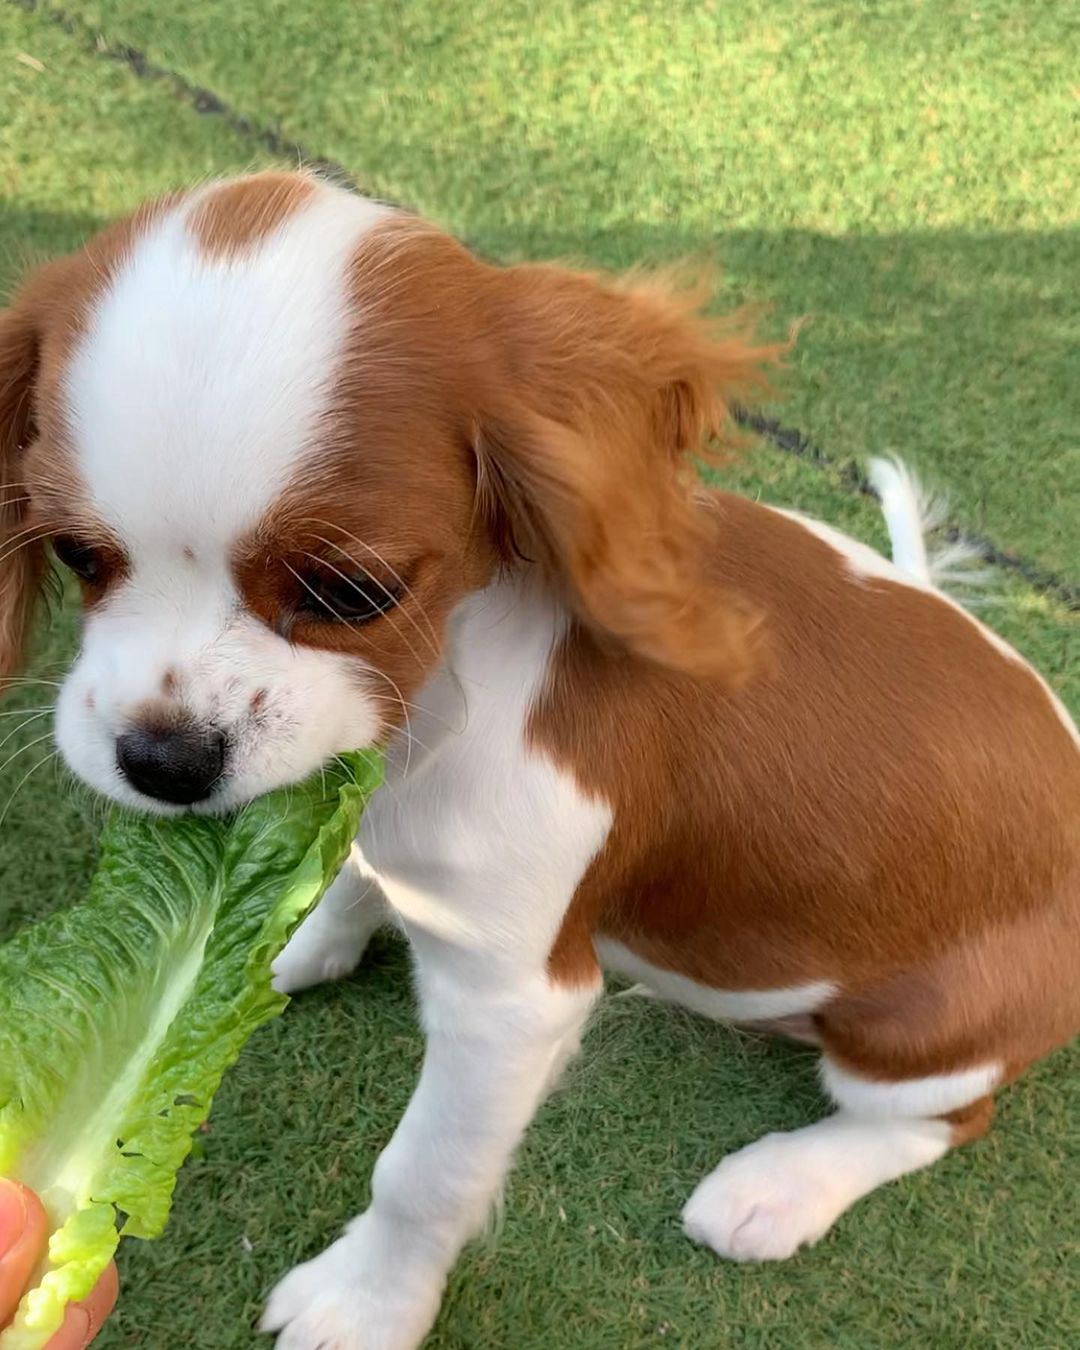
x=496, y=1039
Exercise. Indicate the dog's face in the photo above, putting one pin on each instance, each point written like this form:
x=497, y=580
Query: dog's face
x=268, y=525
x=278, y=431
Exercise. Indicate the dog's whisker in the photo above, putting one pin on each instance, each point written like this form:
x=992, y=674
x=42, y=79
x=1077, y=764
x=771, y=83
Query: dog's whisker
x=413, y=738
x=36, y=535
x=431, y=637
x=35, y=528
x=405, y=714
x=387, y=614
x=370, y=670
x=24, y=780
x=23, y=749
x=421, y=711
x=34, y=717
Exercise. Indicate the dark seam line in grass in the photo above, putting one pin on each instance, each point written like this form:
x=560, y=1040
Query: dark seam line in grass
x=793, y=442
x=204, y=101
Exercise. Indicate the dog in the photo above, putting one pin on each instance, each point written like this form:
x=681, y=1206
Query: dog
x=329, y=481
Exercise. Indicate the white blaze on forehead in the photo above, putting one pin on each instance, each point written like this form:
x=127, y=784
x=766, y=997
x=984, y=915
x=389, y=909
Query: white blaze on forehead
x=201, y=379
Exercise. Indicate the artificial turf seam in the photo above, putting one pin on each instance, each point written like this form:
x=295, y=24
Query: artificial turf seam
x=786, y=439
x=792, y=442
x=203, y=101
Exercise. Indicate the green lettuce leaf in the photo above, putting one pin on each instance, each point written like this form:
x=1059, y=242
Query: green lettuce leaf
x=119, y=1016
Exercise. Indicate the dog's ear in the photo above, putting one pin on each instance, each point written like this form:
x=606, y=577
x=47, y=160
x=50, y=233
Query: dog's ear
x=22, y=559
x=606, y=393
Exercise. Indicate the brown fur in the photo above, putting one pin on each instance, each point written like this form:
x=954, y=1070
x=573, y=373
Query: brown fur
x=584, y=455
x=545, y=414
x=21, y=557
x=558, y=411
x=237, y=216
x=970, y=1122
x=894, y=806
x=40, y=491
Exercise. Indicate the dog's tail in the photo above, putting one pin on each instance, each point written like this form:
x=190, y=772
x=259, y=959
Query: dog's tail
x=911, y=515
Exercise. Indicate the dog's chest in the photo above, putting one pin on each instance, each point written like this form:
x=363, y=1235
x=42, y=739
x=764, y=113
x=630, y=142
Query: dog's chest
x=477, y=836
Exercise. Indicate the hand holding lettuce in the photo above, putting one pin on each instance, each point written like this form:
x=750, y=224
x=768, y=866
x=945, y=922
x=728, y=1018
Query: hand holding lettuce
x=119, y=1016
x=24, y=1241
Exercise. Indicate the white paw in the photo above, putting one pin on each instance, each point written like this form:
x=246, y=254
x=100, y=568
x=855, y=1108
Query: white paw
x=319, y=950
x=332, y=1303
x=314, y=1307
x=765, y=1202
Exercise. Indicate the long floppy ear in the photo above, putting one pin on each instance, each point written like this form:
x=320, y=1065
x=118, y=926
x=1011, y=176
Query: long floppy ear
x=605, y=396
x=22, y=558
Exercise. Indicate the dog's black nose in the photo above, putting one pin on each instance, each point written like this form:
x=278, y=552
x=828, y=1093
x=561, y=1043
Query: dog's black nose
x=179, y=765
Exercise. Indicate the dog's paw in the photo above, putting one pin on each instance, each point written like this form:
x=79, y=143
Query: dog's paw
x=314, y=1307
x=318, y=951
x=762, y=1203
x=335, y=1303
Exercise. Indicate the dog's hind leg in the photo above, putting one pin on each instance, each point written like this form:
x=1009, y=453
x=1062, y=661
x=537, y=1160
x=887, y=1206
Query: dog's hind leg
x=787, y=1190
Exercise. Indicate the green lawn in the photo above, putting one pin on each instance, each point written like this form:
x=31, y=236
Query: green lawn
x=906, y=175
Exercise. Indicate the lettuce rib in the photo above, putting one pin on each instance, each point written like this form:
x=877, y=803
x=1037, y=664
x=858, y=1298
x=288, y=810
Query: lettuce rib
x=119, y=1016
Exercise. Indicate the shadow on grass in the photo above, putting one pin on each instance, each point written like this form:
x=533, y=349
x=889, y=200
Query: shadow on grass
x=29, y=237
x=955, y=349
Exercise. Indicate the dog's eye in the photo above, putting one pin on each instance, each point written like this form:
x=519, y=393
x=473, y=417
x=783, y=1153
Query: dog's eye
x=84, y=560
x=357, y=598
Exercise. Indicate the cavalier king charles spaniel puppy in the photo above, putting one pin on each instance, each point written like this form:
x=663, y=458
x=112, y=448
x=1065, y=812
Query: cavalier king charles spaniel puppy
x=329, y=481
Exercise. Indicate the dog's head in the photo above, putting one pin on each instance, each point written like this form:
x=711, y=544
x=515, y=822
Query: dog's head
x=279, y=431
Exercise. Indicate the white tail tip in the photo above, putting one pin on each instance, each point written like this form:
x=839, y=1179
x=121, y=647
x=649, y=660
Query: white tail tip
x=910, y=515
x=907, y=516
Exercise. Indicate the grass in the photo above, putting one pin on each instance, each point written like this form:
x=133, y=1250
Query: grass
x=900, y=172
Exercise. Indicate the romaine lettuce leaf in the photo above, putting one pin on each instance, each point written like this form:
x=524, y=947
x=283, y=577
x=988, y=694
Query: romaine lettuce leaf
x=119, y=1016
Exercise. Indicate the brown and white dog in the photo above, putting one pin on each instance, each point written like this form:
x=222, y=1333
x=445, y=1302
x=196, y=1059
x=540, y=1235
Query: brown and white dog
x=329, y=481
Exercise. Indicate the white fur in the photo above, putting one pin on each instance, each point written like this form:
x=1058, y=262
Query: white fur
x=932, y=1096
x=911, y=515
x=480, y=841
x=486, y=1069
x=213, y=371
x=478, y=844
x=726, y=1005
x=905, y=513
x=787, y=1190
x=332, y=939
x=197, y=388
